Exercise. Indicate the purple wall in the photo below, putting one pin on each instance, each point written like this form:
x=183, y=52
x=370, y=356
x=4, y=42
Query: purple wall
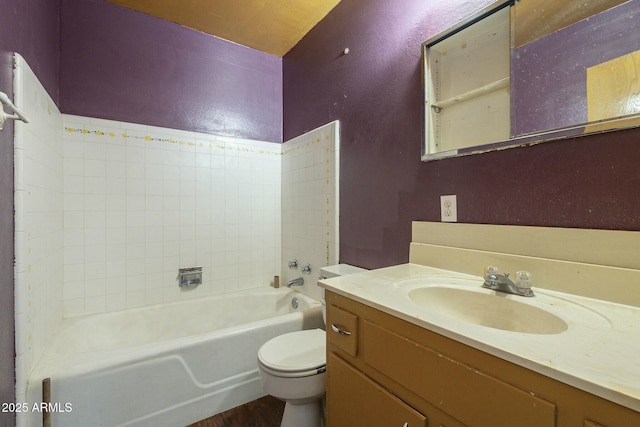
x=123, y=65
x=375, y=91
x=30, y=28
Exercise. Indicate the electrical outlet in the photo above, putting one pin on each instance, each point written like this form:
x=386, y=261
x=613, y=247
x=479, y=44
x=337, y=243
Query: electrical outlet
x=448, y=208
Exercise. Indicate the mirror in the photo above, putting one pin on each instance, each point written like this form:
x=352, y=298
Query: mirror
x=527, y=71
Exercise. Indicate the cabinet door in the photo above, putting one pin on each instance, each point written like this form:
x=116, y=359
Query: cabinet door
x=354, y=400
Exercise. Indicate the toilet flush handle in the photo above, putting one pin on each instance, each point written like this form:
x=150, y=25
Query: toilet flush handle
x=338, y=330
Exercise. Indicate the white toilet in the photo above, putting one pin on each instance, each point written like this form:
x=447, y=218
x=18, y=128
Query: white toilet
x=292, y=367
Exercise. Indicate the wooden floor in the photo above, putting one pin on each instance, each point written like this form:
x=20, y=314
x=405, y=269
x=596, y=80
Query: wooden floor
x=264, y=412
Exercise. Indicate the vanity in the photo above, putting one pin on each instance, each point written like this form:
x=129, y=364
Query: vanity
x=423, y=344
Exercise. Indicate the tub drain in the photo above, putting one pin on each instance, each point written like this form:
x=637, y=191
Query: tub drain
x=294, y=303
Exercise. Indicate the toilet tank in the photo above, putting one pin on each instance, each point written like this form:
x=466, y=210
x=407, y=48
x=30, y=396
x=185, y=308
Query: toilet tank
x=334, y=271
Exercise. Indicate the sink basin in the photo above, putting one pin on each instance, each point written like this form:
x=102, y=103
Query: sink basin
x=488, y=308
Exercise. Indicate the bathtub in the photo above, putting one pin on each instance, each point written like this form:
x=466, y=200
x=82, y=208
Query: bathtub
x=166, y=365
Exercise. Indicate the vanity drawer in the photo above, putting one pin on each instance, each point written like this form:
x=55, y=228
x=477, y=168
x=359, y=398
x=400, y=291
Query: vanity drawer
x=342, y=329
x=473, y=397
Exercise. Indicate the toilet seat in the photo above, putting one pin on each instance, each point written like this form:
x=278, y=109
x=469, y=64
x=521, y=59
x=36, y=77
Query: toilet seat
x=295, y=354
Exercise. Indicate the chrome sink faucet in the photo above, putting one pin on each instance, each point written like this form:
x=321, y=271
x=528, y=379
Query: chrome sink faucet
x=295, y=282
x=502, y=282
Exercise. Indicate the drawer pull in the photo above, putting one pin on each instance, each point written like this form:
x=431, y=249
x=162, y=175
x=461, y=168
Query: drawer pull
x=338, y=330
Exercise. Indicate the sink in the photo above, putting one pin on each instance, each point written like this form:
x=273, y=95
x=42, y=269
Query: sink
x=488, y=308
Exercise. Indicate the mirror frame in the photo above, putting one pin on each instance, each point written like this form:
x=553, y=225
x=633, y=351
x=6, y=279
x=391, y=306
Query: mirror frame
x=573, y=131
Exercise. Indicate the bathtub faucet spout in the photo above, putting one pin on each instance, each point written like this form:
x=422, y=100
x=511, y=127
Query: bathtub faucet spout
x=296, y=282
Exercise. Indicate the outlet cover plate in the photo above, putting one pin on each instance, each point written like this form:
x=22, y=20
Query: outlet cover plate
x=448, y=208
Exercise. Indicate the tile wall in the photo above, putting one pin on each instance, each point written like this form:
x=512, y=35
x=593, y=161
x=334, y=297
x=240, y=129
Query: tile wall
x=140, y=202
x=38, y=221
x=310, y=170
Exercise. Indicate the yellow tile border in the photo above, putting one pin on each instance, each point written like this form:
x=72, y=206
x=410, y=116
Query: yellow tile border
x=172, y=140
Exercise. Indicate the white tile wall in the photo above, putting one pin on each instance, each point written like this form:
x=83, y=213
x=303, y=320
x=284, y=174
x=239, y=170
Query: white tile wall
x=310, y=170
x=141, y=202
x=38, y=222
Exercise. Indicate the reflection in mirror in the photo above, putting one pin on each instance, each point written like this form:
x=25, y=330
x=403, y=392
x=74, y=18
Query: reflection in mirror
x=583, y=72
x=574, y=69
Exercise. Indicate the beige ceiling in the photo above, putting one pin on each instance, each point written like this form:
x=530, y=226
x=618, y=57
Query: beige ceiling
x=271, y=26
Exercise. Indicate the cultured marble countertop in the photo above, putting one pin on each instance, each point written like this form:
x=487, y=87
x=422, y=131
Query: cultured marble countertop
x=598, y=353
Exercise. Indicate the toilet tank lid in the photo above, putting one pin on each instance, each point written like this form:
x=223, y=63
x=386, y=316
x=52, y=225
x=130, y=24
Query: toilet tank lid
x=340, y=270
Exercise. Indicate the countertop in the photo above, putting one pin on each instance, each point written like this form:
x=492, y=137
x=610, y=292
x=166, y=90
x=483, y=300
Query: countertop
x=599, y=352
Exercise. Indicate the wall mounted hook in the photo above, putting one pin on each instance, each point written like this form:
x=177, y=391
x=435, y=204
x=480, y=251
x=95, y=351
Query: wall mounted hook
x=17, y=114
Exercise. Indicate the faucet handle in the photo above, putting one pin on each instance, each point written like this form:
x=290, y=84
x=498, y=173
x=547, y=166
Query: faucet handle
x=306, y=269
x=523, y=279
x=489, y=270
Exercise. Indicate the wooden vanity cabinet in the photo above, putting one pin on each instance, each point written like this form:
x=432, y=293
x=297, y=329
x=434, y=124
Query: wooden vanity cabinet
x=384, y=371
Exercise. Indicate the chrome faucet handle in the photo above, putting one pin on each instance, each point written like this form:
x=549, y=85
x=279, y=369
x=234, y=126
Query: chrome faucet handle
x=293, y=264
x=306, y=269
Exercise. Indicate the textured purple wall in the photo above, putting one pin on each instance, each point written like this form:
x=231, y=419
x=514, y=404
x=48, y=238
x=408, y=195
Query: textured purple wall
x=30, y=28
x=549, y=74
x=375, y=91
x=124, y=65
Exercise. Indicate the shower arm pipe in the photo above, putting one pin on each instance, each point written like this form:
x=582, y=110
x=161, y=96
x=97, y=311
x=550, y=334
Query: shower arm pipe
x=17, y=114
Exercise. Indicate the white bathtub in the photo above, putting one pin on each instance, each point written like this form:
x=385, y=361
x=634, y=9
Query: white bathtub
x=166, y=365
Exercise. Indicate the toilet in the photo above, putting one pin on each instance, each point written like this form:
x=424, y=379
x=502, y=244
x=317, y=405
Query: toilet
x=292, y=367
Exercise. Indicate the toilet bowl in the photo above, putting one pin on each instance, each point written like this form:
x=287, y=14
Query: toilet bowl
x=292, y=367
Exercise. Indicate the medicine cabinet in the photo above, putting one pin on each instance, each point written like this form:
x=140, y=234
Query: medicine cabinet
x=519, y=72
x=467, y=84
